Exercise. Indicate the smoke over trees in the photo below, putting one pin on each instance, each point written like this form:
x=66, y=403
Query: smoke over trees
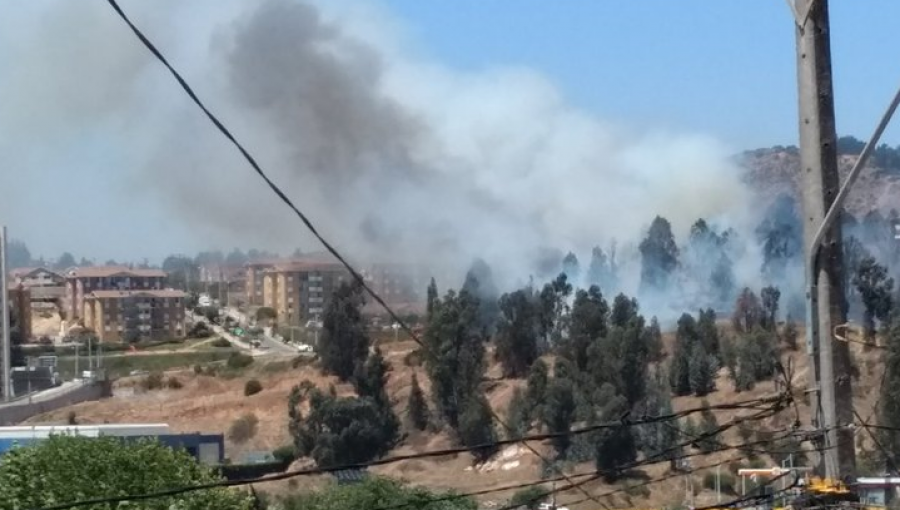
x=659, y=256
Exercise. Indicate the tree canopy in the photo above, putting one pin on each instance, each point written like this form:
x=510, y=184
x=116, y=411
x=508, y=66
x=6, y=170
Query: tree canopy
x=64, y=469
x=377, y=492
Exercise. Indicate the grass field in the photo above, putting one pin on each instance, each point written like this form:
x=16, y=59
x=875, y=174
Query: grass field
x=119, y=364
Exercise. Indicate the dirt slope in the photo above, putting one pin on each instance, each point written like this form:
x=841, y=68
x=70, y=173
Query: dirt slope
x=211, y=404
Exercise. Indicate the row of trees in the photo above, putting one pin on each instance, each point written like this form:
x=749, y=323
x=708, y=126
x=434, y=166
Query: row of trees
x=609, y=364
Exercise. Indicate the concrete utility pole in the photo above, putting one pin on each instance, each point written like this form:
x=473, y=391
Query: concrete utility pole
x=819, y=182
x=4, y=321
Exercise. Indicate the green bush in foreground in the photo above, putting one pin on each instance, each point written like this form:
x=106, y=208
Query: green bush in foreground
x=377, y=493
x=65, y=469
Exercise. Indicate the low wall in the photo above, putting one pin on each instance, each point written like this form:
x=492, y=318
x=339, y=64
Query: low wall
x=17, y=412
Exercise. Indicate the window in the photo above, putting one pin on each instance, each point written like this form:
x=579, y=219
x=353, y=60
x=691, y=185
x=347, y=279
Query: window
x=107, y=328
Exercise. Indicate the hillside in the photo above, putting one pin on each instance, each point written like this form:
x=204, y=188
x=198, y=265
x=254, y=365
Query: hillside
x=774, y=171
x=211, y=403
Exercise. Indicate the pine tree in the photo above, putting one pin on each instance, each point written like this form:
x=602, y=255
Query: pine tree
x=417, y=407
x=616, y=446
x=476, y=427
x=559, y=413
x=454, y=360
x=748, y=312
x=571, y=267
x=517, y=332
x=680, y=366
x=702, y=371
x=875, y=288
x=587, y=323
x=536, y=388
x=432, y=297
x=480, y=286
x=708, y=429
x=708, y=332
x=602, y=271
x=769, y=297
x=518, y=415
x=653, y=339
x=659, y=255
x=344, y=344
x=371, y=382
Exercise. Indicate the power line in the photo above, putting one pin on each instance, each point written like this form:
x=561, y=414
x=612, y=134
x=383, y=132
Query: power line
x=888, y=456
x=252, y=161
x=429, y=454
x=282, y=196
x=593, y=476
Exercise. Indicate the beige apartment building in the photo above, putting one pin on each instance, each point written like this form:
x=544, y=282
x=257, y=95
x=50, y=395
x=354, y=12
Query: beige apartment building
x=134, y=315
x=82, y=281
x=399, y=283
x=299, y=291
x=253, y=280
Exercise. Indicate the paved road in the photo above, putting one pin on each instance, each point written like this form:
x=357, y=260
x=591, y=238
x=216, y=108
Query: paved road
x=268, y=342
x=268, y=345
x=47, y=394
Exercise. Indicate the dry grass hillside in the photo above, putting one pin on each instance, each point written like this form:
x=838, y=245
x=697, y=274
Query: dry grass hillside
x=772, y=172
x=210, y=404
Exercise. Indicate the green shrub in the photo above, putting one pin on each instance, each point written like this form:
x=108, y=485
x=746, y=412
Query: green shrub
x=252, y=387
x=220, y=342
x=239, y=360
x=529, y=497
x=153, y=381
x=285, y=454
x=173, y=383
x=243, y=428
x=198, y=369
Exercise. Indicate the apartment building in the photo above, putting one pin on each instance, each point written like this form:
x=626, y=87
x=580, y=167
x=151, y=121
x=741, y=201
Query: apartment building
x=399, y=283
x=253, y=280
x=47, y=288
x=298, y=291
x=254, y=273
x=134, y=315
x=19, y=297
x=82, y=281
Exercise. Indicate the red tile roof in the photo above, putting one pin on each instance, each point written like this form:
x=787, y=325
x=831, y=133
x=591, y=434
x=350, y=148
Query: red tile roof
x=154, y=293
x=105, y=271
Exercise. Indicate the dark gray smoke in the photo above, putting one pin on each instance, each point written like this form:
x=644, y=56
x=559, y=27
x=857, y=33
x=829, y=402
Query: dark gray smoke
x=394, y=157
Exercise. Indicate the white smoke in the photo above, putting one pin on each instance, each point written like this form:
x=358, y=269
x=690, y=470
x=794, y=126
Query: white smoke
x=395, y=156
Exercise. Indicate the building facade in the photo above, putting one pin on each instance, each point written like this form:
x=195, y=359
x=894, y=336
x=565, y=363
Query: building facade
x=298, y=291
x=399, y=283
x=134, y=315
x=253, y=280
x=208, y=449
x=19, y=298
x=47, y=288
x=80, y=282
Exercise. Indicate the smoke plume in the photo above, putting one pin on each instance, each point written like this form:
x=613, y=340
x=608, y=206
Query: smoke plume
x=394, y=156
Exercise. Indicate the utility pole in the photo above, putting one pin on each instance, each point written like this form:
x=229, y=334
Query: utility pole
x=819, y=185
x=4, y=322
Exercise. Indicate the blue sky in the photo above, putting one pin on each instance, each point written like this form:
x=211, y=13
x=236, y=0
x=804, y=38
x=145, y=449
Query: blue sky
x=723, y=68
x=726, y=67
